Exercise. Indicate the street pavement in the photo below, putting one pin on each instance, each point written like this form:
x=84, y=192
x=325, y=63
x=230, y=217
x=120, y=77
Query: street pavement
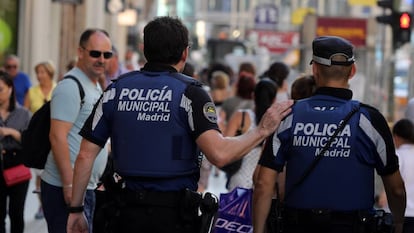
x=216, y=185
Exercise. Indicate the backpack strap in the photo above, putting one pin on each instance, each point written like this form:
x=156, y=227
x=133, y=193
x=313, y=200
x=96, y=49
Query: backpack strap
x=81, y=91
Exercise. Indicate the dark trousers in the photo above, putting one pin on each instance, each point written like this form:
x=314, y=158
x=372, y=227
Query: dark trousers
x=55, y=208
x=16, y=195
x=408, y=225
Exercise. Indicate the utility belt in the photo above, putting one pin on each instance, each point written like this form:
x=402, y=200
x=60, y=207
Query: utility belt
x=189, y=204
x=321, y=216
x=362, y=221
x=155, y=198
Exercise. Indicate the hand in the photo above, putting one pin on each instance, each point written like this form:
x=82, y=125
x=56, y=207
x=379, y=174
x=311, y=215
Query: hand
x=77, y=223
x=273, y=116
x=4, y=131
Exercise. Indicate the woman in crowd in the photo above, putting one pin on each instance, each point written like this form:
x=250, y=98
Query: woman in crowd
x=13, y=120
x=264, y=95
x=403, y=135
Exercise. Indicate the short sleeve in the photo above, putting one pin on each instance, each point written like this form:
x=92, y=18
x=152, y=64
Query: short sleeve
x=66, y=101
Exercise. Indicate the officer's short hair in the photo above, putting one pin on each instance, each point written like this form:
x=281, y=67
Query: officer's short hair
x=165, y=39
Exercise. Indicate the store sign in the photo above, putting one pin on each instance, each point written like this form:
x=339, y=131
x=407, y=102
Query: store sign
x=275, y=42
x=266, y=16
x=68, y=1
x=354, y=30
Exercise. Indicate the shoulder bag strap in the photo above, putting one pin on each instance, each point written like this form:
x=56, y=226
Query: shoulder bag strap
x=240, y=129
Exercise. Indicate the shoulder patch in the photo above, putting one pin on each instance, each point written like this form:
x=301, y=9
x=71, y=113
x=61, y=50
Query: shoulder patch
x=209, y=111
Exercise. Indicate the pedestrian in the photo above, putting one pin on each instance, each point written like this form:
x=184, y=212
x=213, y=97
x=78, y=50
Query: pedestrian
x=279, y=73
x=334, y=193
x=68, y=114
x=35, y=98
x=403, y=134
x=114, y=68
x=13, y=120
x=244, y=120
x=20, y=79
x=157, y=120
x=243, y=99
x=303, y=87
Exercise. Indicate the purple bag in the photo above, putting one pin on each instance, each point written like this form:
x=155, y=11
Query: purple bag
x=234, y=214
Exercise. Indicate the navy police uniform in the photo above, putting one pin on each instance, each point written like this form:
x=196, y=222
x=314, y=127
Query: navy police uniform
x=338, y=194
x=153, y=118
x=343, y=181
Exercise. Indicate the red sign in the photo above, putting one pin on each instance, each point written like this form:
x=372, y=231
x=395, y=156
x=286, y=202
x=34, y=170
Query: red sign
x=275, y=42
x=354, y=30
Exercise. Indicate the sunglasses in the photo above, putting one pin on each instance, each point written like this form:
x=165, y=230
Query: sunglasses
x=11, y=66
x=97, y=54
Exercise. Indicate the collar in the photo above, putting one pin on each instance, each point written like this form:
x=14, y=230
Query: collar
x=342, y=93
x=158, y=67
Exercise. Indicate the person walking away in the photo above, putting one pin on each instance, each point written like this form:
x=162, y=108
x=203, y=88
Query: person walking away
x=279, y=73
x=403, y=134
x=13, y=120
x=264, y=95
x=21, y=80
x=35, y=98
x=338, y=193
x=68, y=114
x=155, y=149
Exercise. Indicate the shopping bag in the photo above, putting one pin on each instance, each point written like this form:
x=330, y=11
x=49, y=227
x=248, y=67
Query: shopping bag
x=235, y=212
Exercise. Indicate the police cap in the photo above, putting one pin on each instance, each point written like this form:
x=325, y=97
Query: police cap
x=326, y=47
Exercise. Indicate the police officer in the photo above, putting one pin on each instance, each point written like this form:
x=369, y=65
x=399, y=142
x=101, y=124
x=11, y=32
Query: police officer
x=337, y=195
x=157, y=120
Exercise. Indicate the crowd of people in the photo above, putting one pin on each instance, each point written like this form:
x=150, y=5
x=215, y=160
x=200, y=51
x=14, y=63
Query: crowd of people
x=168, y=126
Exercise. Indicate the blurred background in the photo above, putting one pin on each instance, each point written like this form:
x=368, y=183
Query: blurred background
x=230, y=31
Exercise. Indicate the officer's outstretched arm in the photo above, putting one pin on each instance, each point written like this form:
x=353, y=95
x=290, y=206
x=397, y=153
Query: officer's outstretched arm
x=221, y=150
x=396, y=196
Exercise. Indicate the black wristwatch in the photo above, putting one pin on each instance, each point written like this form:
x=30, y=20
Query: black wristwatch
x=75, y=209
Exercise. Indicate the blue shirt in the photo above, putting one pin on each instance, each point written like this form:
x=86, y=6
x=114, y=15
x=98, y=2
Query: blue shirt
x=21, y=85
x=66, y=106
x=153, y=118
x=343, y=180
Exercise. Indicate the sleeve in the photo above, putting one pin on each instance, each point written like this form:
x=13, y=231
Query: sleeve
x=386, y=160
x=276, y=148
x=97, y=127
x=65, y=105
x=28, y=83
x=204, y=112
x=267, y=159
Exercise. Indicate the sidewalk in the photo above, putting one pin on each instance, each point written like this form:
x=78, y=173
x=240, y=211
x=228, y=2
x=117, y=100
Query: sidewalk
x=216, y=186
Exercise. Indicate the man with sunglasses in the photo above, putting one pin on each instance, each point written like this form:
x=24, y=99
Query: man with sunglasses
x=68, y=113
x=20, y=79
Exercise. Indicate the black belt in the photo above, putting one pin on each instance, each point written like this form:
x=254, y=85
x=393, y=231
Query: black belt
x=155, y=198
x=306, y=215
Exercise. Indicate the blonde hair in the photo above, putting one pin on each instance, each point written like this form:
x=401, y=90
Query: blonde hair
x=49, y=67
x=220, y=80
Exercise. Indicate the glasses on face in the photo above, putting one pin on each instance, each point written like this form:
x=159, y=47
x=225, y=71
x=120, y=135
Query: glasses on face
x=97, y=54
x=11, y=67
